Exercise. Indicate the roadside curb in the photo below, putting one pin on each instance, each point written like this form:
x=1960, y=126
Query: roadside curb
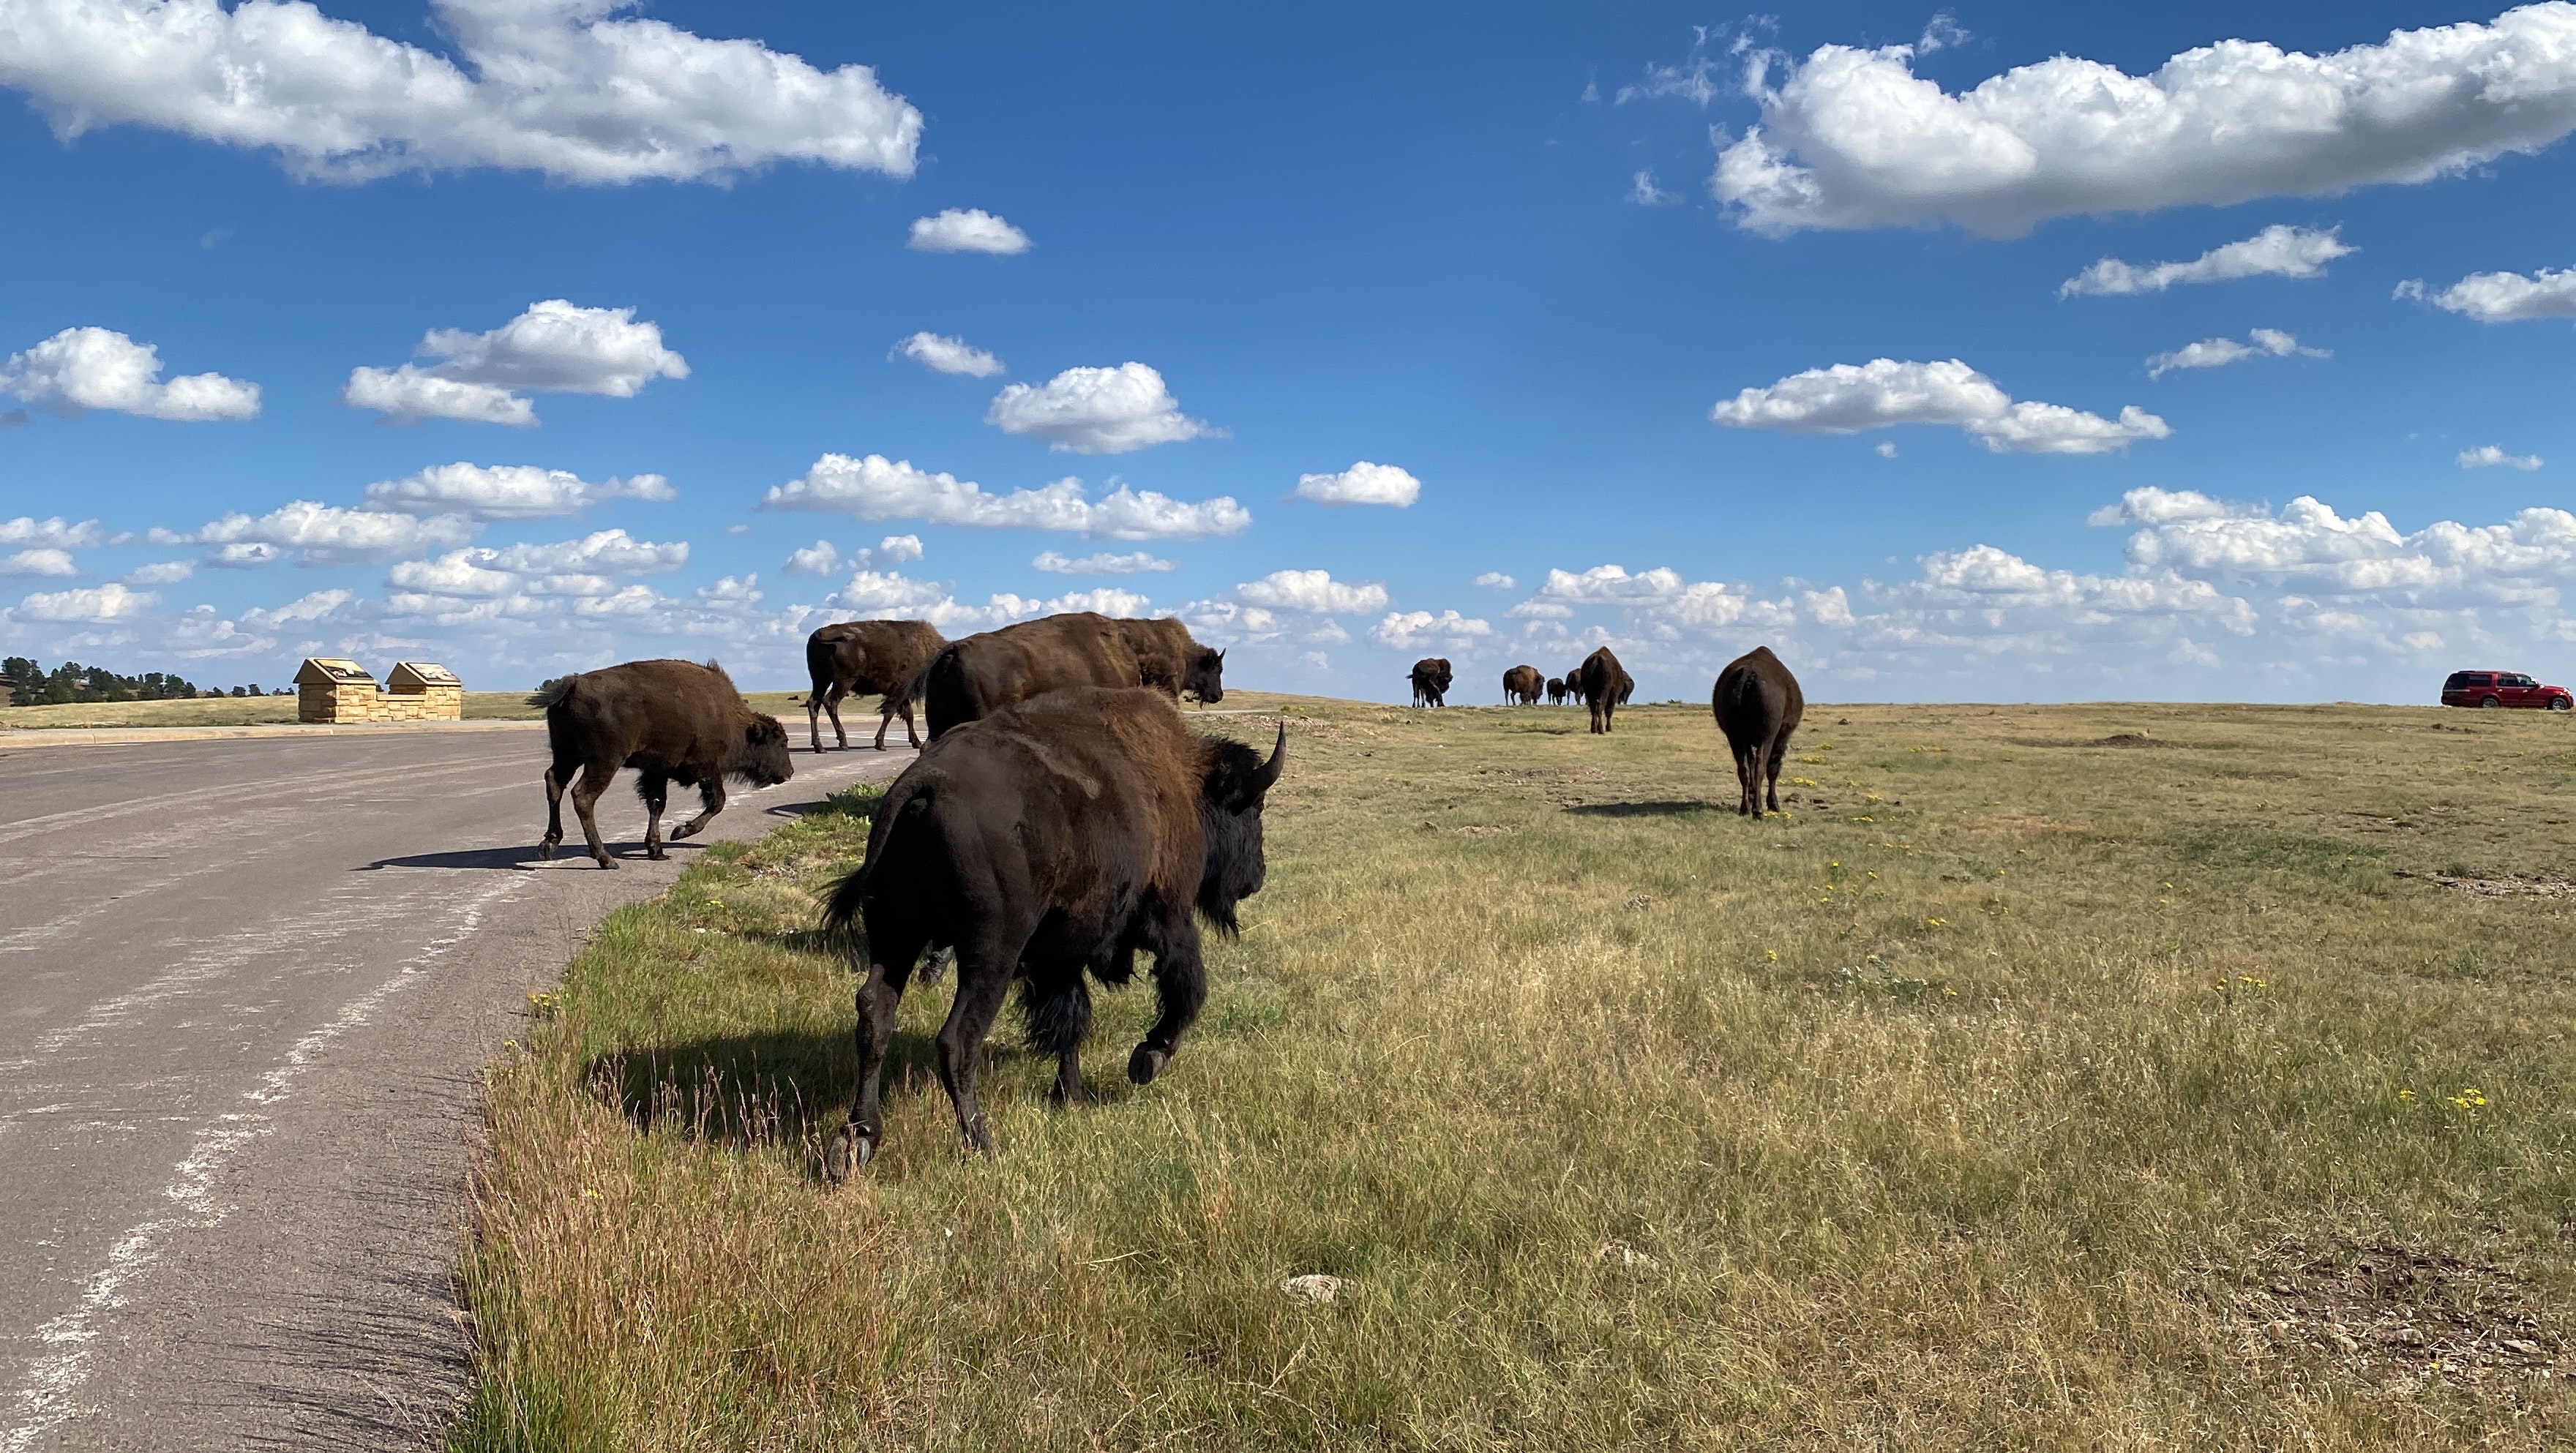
x=137, y=736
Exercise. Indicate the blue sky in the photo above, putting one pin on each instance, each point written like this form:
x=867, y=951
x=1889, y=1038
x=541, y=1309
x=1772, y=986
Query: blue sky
x=571, y=325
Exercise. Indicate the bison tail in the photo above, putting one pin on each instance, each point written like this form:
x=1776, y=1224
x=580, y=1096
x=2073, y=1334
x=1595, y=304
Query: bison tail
x=548, y=696
x=919, y=686
x=1058, y=1016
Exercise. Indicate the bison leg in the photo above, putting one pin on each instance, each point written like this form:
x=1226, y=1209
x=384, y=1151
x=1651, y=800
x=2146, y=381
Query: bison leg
x=1059, y=1016
x=1180, y=982
x=814, y=719
x=711, y=800
x=1771, y=767
x=986, y=963
x=656, y=792
x=1748, y=773
x=832, y=704
x=880, y=995
x=554, y=816
x=585, y=795
x=894, y=704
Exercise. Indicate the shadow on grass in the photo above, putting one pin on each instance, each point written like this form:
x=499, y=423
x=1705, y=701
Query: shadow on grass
x=1641, y=809
x=744, y=1090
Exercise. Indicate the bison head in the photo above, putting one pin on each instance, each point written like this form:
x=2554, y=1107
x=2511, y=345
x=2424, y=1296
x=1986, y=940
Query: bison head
x=1230, y=801
x=1204, y=676
x=761, y=757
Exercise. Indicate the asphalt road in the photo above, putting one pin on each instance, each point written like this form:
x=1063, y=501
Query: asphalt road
x=245, y=987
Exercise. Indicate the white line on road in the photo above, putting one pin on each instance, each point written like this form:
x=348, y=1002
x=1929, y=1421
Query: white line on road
x=45, y=1400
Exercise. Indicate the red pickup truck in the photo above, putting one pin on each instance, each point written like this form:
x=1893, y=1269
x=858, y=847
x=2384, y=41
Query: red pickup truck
x=2503, y=688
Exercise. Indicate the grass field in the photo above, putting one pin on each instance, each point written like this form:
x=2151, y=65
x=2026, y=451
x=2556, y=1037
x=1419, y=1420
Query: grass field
x=272, y=710
x=2083, y=1077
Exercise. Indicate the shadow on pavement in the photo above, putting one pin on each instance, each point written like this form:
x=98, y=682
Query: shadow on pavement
x=570, y=855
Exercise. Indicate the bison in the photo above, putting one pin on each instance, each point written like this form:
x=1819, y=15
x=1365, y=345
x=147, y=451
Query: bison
x=1556, y=691
x=973, y=678
x=1757, y=704
x=672, y=721
x=867, y=658
x=1521, y=686
x=1431, y=681
x=1603, y=684
x=1057, y=837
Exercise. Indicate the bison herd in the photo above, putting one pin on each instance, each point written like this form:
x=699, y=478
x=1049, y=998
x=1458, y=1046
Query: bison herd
x=1062, y=819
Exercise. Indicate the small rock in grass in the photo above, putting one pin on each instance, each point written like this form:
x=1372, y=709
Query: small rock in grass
x=1620, y=1253
x=1315, y=1288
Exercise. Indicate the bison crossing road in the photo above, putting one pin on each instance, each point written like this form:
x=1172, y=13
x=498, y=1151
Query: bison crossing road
x=672, y=721
x=867, y=658
x=975, y=677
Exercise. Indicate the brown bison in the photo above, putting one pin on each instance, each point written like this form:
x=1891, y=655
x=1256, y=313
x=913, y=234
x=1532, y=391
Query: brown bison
x=1522, y=685
x=1431, y=681
x=1057, y=837
x=1757, y=704
x=971, y=679
x=1603, y=684
x=672, y=721
x=1556, y=691
x=867, y=658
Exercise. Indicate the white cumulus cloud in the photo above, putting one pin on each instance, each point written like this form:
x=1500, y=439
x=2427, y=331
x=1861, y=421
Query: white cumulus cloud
x=558, y=87
x=2491, y=456
x=2504, y=297
x=942, y=354
x=1361, y=484
x=1420, y=630
x=1495, y=580
x=970, y=229
x=2277, y=251
x=1097, y=411
x=80, y=369
x=53, y=531
x=2219, y=352
x=1138, y=563
x=508, y=491
x=326, y=534
x=161, y=572
x=553, y=347
x=877, y=488
x=1314, y=591
x=94, y=605
x=1853, y=138
x=824, y=558
x=1848, y=398
x=41, y=561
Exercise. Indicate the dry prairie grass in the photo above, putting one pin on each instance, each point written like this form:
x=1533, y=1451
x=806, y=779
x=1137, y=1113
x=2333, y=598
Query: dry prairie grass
x=2016, y=1091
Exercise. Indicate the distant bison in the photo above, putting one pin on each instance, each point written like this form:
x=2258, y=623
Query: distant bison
x=1603, y=684
x=867, y=658
x=1758, y=704
x=1058, y=836
x=1431, y=681
x=973, y=678
x=1522, y=685
x=1556, y=691
x=672, y=721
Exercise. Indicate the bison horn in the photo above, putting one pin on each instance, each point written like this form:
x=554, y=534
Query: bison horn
x=1278, y=759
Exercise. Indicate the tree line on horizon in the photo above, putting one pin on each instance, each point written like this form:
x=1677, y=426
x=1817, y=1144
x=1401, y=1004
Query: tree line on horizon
x=28, y=683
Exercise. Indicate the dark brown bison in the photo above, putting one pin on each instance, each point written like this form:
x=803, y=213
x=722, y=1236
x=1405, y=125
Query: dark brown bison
x=1556, y=691
x=1431, y=681
x=1758, y=704
x=672, y=721
x=971, y=679
x=1522, y=685
x=867, y=658
x=1054, y=838
x=1603, y=684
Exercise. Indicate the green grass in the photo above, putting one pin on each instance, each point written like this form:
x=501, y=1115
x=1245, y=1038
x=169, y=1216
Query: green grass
x=2014, y=1091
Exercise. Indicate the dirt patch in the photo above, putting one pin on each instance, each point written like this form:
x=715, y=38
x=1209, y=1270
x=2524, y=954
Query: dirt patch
x=2397, y=1315
x=2543, y=886
x=2127, y=739
x=1495, y=829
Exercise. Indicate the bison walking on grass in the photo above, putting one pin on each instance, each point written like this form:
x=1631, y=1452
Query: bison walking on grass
x=867, y=658
x=1556, y=691
x=1603, y=684
x=672, y=721
x=1521, y=686
x=971, y=679
x=1054, y=838
x=1758, y=704
x=1431, y=681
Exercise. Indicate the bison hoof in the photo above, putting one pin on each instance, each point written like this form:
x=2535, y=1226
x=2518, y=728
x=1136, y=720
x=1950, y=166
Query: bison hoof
x=605, y=861
x=686, y=829
x=545, y=852
x=979, y=1140
x=1146, y=1063
x=847, y=1153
